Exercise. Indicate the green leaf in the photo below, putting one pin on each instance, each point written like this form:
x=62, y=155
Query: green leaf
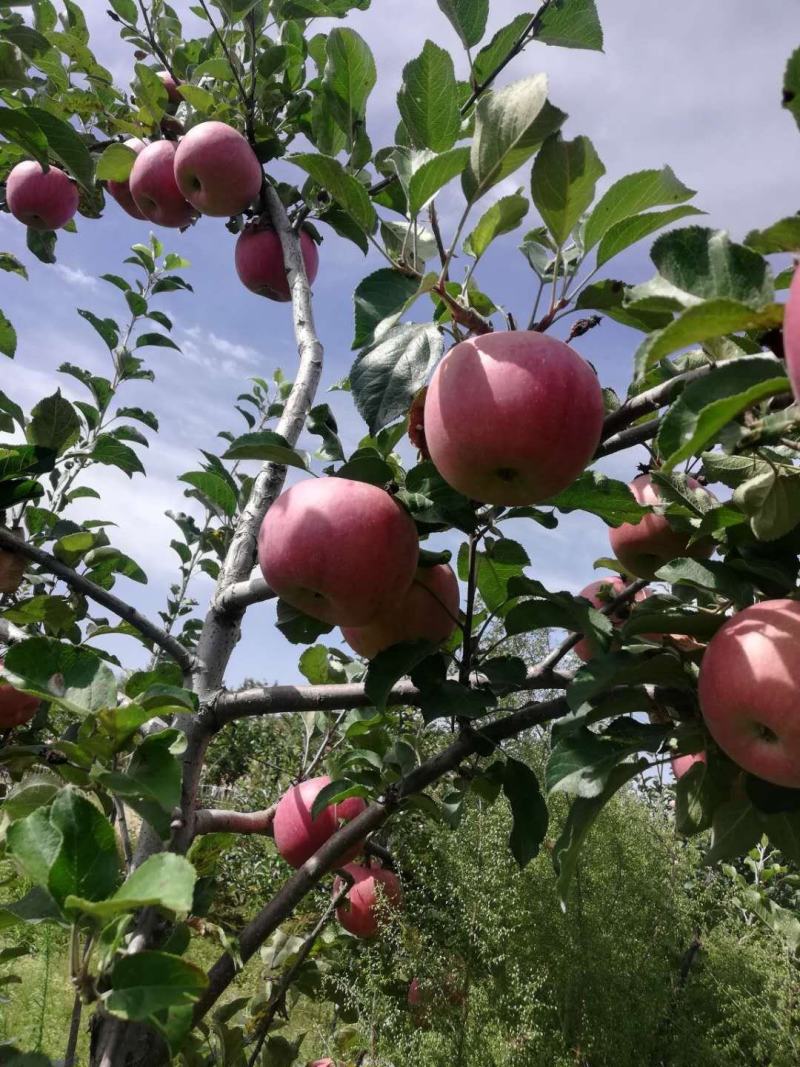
x=510, y=125
x=434, y=173
x=10, y=263
x=782, y=236
x=606, y=497
x=107, y=328
x=267, y=446
x=54, y=424
x=66, y=144
x=201, y=99
x=628, y=231
x=707, y=264
x=581, y=762
x=704, y=322
x=87, y=864
x=385, y=378
x=380, y=297
x=502, y=217
x=116, y=163
x=625, y=668
x=126, y=9
x=389, y=666
x=711, y=575
x=467, y=17
x=42, y=243
x=734, y=830
x=771, y=500
x=149, y=982
x=348, y=79
x=491, y=56
x=528, y=809
x=501, y=561
x=213, y=489
x=75, y=677
x=571, y=24
x=791, y=86
x=8, y=337
x=334, y=792
x=630, y=196
x=428, y=99
x=298, y=628
x=19, y=127
x=321, y=421
x=113, y=453
x=563, y=182
x=581, y=818
x=164, y=881
x=35, y=843
x=155, y=340
x=705, y=407
x=448, y=698
x=346, y=190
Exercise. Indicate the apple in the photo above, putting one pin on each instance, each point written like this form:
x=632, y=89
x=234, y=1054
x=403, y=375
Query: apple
x=169, y=83
x=260, y=265
x=121, y=191
x=791, y=335
x=340, y=551
x=322, y=1063
x=644, y=547
x=154, y=189
x=683, y=764
x=297, y=835
x=748, y=690
x=416, y=424
x=16, y=707
x=421, y=998
x=599, y=594
x=427, y=612
x=360, y=913
x=12, y=566
x=43, y=200
x=217, y=170
x=512, y=418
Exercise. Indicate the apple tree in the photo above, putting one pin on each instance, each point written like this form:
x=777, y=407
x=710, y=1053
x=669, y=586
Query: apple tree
x=688, y=650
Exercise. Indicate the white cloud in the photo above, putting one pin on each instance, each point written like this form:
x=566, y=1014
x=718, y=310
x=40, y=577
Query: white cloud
x=76, y=276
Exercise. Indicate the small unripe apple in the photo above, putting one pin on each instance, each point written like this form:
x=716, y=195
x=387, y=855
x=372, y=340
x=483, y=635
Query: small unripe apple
x=644, y=547
x=599, y=594
x=512, y=418
x=338, y=550
x=360, y=913
x=683, y=764
x=748, y=690
x=39, y=199
x=217, y=170
x=416, y=424
x=16, y=708
x=260, y=264
x=154, y=189
x=427, y=612
x=297, y=835
x=121, y=191
x=791, y=335
x=12, y=567
x=169, y=83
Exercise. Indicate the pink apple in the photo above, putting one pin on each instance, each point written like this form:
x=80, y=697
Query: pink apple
x=427, y=612
x=322, y=1063
x=599, y=594
x=297, y=835
x=791, y=335
x=260, y=265
x=512, y=418
x=121, y=191
x=39, y=199
x=683, y=764
x=217, y=170
x=360, y=913
x=169, y=83
x=153, y=187
x=646, y=546
x=16, y=708
x=340, y=551
x=748, y=690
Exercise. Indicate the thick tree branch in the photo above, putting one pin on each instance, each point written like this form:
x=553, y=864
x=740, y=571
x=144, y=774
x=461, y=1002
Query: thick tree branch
x=241, y=595
x=172, y=647
x=217, y=820
x=651, y=400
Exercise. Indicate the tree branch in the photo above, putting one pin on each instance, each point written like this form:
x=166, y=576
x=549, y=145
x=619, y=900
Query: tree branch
x=248, y=117
x=651, y=400
x=159, y=51
x=217, y=820
x=169, y=645
x=634, y=435
x=241, y=595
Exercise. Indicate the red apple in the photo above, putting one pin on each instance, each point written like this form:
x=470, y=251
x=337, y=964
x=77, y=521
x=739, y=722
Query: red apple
x=644, y=547
x=599, y=594
x=121, y=191
x=297, y=835
x=791, y=335
x=217, y=170
x=12, y=566
x=416, y=424
x=153, y=187
x=748, y=690
x=360, y=913
x=512, y=418
x=16, y=708
x=169, y=83
x=260, y=266
x=427, y=612
x=39, y=199
x=322, y=1063
x=683, y=764
x=340, y=551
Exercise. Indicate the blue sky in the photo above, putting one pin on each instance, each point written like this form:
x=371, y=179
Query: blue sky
x=693, y=85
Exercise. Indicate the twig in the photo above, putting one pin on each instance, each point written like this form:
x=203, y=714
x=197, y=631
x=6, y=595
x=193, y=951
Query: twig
x=74, y=1031
x=124, y=834
x=437, y=234
x=148, y=629
x=651, y=400
x=467, y=317
x=159, y=51
x=635, y=435
x=466, y=655
x=248, y=118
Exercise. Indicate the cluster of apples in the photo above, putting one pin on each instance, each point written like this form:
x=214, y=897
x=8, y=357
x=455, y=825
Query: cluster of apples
x=298, y=835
